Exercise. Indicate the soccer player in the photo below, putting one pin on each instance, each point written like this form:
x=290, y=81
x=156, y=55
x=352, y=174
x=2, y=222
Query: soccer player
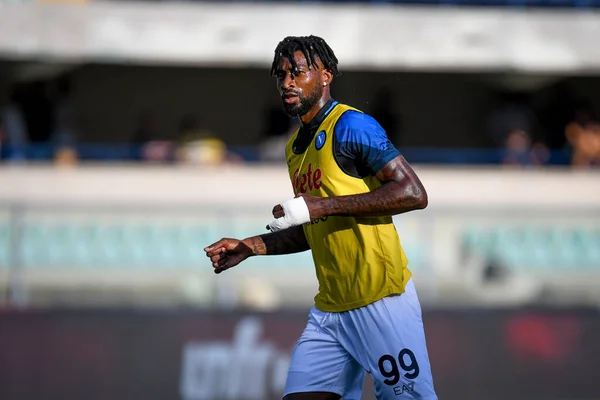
x=348, y=181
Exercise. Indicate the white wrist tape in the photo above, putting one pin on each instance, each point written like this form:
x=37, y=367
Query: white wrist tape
x=296, y=213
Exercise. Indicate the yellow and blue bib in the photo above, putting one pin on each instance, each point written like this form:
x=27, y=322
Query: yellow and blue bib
x=358, y=260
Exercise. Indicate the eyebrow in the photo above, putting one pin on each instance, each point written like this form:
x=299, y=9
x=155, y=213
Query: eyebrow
x=291, y=68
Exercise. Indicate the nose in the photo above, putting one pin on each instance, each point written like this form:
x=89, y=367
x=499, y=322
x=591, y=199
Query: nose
x=287, y=83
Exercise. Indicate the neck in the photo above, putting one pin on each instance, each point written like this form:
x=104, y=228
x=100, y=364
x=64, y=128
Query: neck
x=306, y=118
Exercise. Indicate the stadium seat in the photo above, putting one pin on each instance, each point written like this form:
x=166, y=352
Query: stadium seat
x=536, y=249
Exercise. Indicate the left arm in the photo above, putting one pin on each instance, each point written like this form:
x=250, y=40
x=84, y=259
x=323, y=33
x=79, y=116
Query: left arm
x=401, y=191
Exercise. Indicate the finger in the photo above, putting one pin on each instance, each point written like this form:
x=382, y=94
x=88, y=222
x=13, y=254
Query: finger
x=278, y=211
x=218, y=257
x=218, y=261
x=216, y=252
x=222, y=261
x=215, y=245
x=221, y=269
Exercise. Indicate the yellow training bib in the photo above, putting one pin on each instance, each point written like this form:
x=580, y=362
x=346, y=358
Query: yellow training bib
x=358, y=260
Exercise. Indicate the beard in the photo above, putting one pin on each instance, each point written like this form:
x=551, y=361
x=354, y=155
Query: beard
x=304, y=103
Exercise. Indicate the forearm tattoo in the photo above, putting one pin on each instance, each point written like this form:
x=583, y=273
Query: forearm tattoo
x=287, y=241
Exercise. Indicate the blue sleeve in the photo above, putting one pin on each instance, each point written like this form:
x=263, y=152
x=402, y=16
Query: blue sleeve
x=360, y=138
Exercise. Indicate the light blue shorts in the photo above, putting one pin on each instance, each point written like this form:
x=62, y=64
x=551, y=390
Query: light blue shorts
x=385, y=339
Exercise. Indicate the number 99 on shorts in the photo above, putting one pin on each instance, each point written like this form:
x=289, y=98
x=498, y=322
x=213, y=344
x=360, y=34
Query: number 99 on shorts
x=392, y=368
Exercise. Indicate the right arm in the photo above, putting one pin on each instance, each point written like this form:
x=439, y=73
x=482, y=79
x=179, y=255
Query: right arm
x=227, y=253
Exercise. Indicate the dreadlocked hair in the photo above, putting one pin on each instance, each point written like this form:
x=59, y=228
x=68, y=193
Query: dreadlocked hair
x=311, y=46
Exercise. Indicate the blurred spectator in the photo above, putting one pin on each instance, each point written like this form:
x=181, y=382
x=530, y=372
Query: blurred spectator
x=66, y=156
x=385, y=113
x=520, y=151
x=15, y=136
x=200, y=146
x=584, y=137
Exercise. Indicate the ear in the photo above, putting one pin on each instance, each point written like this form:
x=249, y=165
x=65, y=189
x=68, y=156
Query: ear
x=326, y=77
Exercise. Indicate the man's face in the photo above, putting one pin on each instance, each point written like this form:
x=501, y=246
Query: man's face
x=301, y=88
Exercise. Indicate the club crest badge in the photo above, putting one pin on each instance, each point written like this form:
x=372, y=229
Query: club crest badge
x=320, y=140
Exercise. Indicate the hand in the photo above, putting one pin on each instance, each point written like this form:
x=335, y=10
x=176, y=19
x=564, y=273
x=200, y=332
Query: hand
x=227, y=253
x=312, y=202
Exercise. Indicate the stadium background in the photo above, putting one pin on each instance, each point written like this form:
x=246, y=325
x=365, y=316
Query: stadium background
x=134, y=133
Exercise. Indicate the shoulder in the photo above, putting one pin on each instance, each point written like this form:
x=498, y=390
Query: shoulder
x=360, y=128
x=360, y=138
x=359, y=121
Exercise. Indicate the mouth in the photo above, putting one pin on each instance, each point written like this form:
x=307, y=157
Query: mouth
x=289, y=97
